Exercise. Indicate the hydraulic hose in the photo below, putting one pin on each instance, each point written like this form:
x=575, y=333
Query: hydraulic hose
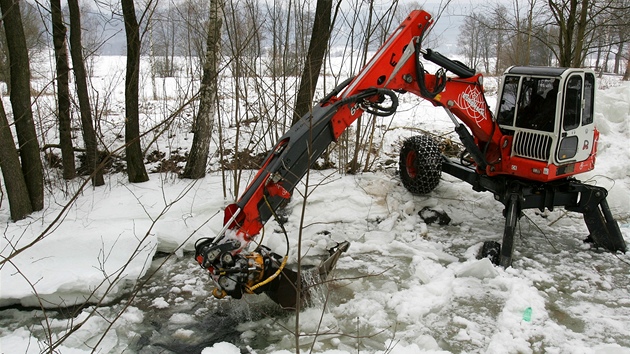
x=440, y=77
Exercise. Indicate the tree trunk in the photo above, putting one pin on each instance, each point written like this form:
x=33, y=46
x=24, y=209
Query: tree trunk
x=80, y=76
x=618, y=57
x=17, y=191
x=606, y=58
x=579, y=52
x=135, y=161
x=565, y=24
x=530, y=20
x=21, y=102
x=573, y=20
x=198, y=157
x=626, y=75
x=353, y=166
x=598, y=59
x=63, y=90
x=315, y=57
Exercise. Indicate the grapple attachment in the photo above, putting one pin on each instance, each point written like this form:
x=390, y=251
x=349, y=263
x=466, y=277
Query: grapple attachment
x=237, y=272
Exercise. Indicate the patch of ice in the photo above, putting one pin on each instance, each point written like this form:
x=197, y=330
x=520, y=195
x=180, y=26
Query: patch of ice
x=181, y=318
x=159, y=303
x=479, y=269
x=222, y=348
x=183, y=333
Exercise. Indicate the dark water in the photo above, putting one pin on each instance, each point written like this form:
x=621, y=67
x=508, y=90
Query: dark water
x=173, y=313
x=194, y=319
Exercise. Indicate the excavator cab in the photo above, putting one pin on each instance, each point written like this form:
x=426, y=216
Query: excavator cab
x=549, y=114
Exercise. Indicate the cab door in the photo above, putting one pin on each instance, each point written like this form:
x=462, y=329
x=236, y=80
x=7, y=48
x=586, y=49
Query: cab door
x=576, y=128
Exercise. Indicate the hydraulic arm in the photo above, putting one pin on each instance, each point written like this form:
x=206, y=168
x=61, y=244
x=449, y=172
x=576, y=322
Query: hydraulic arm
x=395, y=67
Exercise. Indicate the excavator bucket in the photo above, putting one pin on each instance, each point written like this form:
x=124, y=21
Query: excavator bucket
x=284, y=290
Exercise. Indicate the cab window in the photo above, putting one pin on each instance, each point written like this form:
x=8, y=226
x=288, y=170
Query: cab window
x=508, y=101
x=589, y=97
x=571, y=118
x=537, y=104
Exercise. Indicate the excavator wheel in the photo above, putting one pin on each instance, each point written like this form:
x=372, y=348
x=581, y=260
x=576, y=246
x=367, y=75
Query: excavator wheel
x=420, y=164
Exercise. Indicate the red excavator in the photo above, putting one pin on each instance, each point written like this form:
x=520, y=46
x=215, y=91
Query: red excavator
x=542, y=134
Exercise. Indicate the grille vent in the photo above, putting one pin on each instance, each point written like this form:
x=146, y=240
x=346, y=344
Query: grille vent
x=532, y=145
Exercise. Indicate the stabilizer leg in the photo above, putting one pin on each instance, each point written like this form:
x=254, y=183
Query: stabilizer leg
x=604, y=230
x=512, y=214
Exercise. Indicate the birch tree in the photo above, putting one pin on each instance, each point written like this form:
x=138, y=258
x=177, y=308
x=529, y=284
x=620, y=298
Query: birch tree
x=203, y=122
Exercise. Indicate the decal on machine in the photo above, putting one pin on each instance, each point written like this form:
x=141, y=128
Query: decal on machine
x=354, y=108
x=472, y=101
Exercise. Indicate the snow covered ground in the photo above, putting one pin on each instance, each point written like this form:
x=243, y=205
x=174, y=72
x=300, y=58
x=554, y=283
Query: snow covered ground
x=402, y=287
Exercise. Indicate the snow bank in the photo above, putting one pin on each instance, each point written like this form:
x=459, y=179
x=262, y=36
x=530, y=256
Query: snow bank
x=105, y=241
x=612, y=169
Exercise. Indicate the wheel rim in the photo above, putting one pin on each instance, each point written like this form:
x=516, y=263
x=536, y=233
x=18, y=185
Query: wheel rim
x=410, y=160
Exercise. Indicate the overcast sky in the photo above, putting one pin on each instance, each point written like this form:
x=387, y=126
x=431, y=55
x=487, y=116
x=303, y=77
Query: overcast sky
x=445, y=30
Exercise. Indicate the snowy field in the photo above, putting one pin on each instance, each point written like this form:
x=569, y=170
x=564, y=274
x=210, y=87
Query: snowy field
x=403, y=286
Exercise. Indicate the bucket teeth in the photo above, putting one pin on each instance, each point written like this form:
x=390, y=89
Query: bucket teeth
x=329, y=264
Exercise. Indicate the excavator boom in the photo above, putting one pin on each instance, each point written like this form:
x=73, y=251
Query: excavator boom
x=393, y=68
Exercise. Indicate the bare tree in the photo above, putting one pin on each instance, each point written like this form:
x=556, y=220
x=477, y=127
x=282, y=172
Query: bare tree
x=353, y=165
x=21, y=102
x=32, y=28
x=202, y=129
x=192, y=37
x=621, y=30
x=579, y=24
x=314, y=58
x=164, y=32
x=626, y=75
x=366, y=27
x=570, y=17
x=63, y=90
x=470, y=39
x=136, y=172
x=521, y=25
x=619, y=54
x=17, y=192
x=281, y=64
x=520, y=36
x=80, y=76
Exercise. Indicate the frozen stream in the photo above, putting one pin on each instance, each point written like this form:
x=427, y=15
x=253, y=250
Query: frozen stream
x=420, y=291
x=580, y=297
